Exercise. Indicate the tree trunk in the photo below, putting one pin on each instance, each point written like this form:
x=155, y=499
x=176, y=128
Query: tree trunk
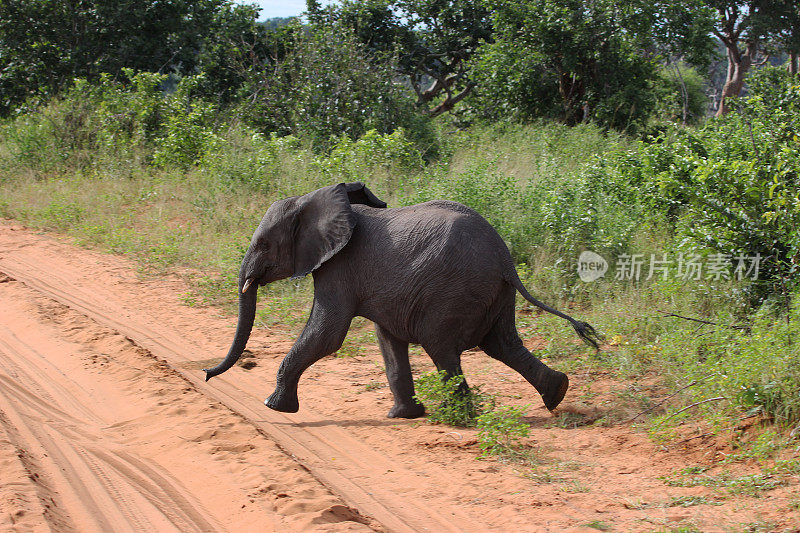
x=738, y=65
x=792, y=67
x=570, y=88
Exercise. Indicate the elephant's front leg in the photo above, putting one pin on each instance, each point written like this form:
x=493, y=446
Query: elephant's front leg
x=398, y=372
x=323, y=335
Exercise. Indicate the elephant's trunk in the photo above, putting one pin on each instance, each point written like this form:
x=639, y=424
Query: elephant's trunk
x=247, y=314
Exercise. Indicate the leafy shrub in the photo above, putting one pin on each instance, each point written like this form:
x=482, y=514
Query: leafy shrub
x=731, y=186
x=500, y=431
x=358, y=160
x=189, y=127
x=446, y=401
x=242, y=157
x=135, y=115
x=131, y=113
x=680, y=96
x=60, y=133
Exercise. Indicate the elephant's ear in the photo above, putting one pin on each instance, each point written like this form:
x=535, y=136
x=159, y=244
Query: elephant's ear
x=324, y=224
x=358, y=193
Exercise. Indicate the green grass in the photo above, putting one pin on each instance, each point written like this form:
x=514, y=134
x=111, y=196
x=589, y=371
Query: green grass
x=599, y=525
x=749, y=485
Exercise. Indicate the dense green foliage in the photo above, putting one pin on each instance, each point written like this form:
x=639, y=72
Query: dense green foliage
x=328, y=87
x=500, y=432
x=680, y=95
x=579, y=61
x=45, y=44
x=428, y=42
x=732, y=185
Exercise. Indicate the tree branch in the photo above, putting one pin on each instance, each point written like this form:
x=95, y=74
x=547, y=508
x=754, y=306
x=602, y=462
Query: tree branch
x=659, y=404
x=451, y=101
x=708, y=322
x=676, y=413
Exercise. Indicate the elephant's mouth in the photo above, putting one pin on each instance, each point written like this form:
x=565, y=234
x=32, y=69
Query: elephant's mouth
x=255, y=280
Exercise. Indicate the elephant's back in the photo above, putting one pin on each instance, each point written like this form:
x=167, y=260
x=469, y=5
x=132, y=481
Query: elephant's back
x=430, y=233
x=436, y=266
x=437, y=209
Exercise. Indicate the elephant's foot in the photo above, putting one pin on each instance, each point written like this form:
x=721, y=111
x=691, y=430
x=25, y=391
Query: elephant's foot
x=283, y=402
x=556, y=389
x=408, y=410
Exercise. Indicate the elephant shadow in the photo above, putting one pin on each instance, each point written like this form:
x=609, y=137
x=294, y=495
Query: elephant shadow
x=363, y=422
x=567, y=417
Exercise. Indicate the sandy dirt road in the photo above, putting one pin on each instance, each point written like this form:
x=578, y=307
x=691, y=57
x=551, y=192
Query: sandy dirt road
x=106, y=425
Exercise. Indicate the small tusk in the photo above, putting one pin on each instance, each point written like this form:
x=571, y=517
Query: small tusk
x=247, y=283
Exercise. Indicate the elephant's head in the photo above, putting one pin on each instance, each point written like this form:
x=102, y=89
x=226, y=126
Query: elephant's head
x=295, y=236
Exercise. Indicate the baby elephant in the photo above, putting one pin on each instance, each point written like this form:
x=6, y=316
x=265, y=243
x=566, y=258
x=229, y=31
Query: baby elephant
x=436, y=274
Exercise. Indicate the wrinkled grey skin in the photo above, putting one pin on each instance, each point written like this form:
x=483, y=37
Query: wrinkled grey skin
x=436, y=274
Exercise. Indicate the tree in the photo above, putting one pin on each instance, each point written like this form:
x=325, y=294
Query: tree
x=788, y=35
x=45, y=44
x=430, y=42
x=236, y=49
x=579, y=60
x=743, y=26
x=447, y=35
x=682, y=44
x=325, y=86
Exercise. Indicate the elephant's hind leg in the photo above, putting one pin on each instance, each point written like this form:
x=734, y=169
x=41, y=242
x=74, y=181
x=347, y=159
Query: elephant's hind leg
x=323, y=334
x=398, y=372
x=448, y=359
x=503, y=343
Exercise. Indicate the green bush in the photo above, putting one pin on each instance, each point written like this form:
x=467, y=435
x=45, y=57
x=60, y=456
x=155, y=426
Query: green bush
x=358, y=160
x=680, y=96
x=189, y=128
x=447, y=403
x=328, y=86
x=130, y=113
x=500, y=432
x=730, y=187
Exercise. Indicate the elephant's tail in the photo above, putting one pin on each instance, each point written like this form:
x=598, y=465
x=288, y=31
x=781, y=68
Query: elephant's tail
x=584, y=330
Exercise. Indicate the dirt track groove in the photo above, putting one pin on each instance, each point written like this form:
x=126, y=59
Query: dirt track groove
x=92, y=482
x=105, y=436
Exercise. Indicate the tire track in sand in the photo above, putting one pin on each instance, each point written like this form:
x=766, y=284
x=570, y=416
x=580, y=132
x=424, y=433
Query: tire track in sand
x=75, y=448
x=364, y=478
x=106, y=491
